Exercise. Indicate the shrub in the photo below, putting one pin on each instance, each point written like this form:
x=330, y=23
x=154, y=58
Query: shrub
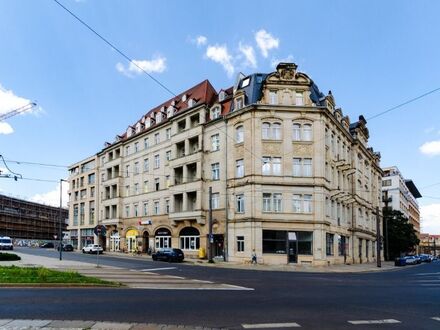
x=9, y=257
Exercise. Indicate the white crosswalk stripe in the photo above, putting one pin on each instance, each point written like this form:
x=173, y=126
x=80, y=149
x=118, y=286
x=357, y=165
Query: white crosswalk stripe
x=436, y=318
x=271, y=325
x=386, y=321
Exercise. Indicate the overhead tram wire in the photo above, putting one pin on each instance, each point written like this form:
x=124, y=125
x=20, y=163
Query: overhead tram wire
x=128, y=58
x=19, y=162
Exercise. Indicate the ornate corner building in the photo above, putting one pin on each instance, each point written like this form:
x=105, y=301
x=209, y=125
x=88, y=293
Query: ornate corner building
x=292, y=179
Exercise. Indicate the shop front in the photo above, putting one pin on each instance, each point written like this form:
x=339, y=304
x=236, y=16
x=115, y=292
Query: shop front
x=162, y=238
x=115, y=241
x=131, y=240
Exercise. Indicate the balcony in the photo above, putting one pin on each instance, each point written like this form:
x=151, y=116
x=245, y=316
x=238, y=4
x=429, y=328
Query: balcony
x=197, y=215
x=111, y=222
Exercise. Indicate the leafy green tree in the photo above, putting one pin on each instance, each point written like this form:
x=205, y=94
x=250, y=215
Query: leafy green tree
x=402, y=237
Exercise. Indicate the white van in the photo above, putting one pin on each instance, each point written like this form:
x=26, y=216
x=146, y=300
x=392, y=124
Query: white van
x=6, y=243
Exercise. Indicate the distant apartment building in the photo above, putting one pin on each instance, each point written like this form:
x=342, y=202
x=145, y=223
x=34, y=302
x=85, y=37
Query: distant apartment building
x=401, y=195
x=292, y=178
x=21, y=219
x=430, y=244
x=83, y=191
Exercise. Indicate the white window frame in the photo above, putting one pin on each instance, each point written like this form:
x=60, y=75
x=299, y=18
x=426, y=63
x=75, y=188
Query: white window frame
x=239, y=134
x=239, y=203
x=215, y=200
x=215, y=142
x=239, y=168
x=215, y=171
x=156, y=161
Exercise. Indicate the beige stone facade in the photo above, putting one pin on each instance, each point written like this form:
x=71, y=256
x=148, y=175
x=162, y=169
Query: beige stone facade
x=293, y=181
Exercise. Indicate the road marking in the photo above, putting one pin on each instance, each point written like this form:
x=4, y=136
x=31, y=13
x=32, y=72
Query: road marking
x=386, y=321
x=270, y=325
x=436, y=318
x=154, y=269
x=423, y=274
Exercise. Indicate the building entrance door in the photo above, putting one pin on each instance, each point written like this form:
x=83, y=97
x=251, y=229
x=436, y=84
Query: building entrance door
x=292, y=248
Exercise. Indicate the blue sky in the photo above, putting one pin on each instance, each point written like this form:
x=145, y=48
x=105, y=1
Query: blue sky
x=373, y=55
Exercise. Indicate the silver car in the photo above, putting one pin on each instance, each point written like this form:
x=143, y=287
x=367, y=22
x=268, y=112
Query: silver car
x=93, y=248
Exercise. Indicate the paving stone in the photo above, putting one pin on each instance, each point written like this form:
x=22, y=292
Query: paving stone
x=112, y=326
x=70, y=324
x=28, y=323
x=5, y=321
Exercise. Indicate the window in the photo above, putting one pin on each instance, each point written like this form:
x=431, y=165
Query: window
x=135, y=209
x=239, y=203
x=162, y=238
x=156, y=207
x=299, y=98
x=305, y=240
x=168, y=133
x=307, y=132
x=239, y=168
x=127, y=171
x=301, y=203
x=136, y=188
x=296, y=132
x=302, y=167
x=167, y=181
x=156, y=138
x=245, y=82
x=273, y=97
x=167, y=206
x=189, y=239
x=239, y=103
x=146, y=165
x=156, y=184
x=136, y=147
x=272, y=202
x=156, y=161
x=271, y=166
x=168, y=155
x=145, y=186
x=274, y=241
x=329, y=240
x=239, y=134
x=146, y=143
x=127, y=211
x=342, y=246
x=215, y=200
x=386, y=183
x=215, y=171
x=271, y=131
x=215, y=112
x=127, y=190
x=136, y=168
x=127, y=150
x=215, y=142
x=240, y=243
x=145, y=208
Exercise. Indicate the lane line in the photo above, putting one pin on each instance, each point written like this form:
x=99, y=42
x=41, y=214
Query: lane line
x=386, y=321
x=423, y=274
x=155, y=269
x=436, y=318
x=270, y=325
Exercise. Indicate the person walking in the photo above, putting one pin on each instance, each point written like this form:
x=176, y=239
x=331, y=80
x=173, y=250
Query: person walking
x=254, y=257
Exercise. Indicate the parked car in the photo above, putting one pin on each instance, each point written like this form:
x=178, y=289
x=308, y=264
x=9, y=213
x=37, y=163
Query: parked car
x=169, y=255
x=48, y=245
x=93, y=248
x=425, y=258
x=411, y=260
x=6, y=243
x=66, y=247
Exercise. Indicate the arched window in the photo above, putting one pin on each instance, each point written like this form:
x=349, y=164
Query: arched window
x=276, y=131
x=189, y=239
x=265, y=130
x=163, y=238
x=296, y=132
x=307, y=132
x=239, y=134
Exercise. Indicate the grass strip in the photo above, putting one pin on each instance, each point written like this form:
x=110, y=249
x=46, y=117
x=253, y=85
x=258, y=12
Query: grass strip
x=41, y=275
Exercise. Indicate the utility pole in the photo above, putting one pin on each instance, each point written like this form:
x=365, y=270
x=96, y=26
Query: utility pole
x=378, y=258
x=386, y=200
x=60, y=232
x=210, y=236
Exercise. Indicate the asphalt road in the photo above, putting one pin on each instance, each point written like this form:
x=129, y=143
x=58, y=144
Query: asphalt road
x=410, y=296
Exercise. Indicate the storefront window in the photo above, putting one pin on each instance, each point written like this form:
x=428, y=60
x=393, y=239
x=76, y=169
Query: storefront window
x=189, y=239
x=162, y=238
x=305, y=240
x=274, y=241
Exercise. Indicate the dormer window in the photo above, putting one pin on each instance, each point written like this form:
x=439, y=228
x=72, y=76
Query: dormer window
x=191, y=103
x=130, y=131
x=273, y=97
x=158, y=117
x=184, y=97
x=170, y=111
x=222, y=96
x=215, y=112
x=239, y=103
x=299, y=98
x=245, y=82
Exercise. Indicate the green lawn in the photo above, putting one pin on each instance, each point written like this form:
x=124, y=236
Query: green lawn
x=41, y=275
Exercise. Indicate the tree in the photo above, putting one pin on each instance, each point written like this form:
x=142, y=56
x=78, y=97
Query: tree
x=402, y=237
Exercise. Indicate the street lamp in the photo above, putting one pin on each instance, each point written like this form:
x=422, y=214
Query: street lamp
x=61, y=219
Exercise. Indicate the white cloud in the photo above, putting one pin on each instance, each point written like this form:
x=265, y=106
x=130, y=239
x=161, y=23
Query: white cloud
x=221, y=55
x=5, y=128
x=249, y=54
x=431, y=148
x=430, y=222
x=201, y=40
x=266, y=42
x=155, y=65
x=276, y=61
x=53, y=197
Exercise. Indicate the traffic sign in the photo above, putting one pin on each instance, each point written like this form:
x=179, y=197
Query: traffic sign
x=99, y=230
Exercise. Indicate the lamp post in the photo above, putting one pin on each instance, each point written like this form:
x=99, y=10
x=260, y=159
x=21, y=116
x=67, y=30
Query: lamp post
x=60, y=246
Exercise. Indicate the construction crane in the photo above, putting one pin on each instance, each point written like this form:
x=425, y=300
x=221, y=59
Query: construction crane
x=17, y=111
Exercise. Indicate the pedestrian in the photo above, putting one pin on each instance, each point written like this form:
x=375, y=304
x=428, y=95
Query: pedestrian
x=254, y=257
